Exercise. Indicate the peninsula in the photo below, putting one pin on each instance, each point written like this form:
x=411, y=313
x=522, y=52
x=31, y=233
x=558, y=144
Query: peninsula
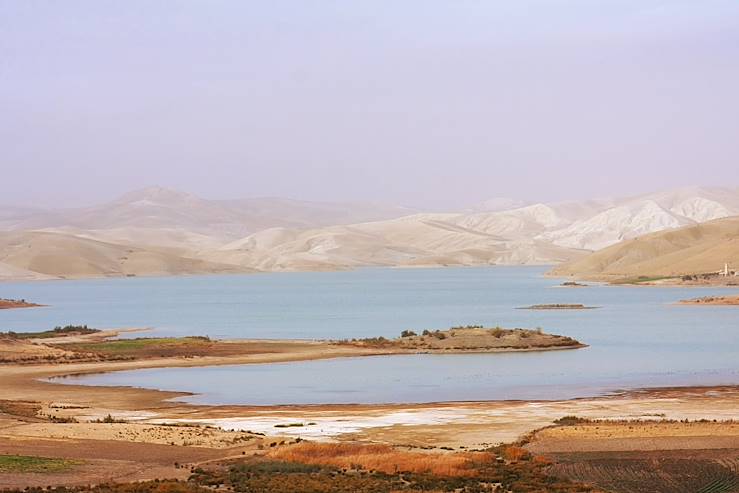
x=81, y=344
x=6, y=303
x=712, y=300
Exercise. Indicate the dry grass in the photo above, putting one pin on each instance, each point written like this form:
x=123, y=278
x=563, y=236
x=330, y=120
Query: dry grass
x=22, y=409
x=514, y=453
x=383, y=458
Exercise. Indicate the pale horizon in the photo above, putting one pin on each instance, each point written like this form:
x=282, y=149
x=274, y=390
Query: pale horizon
x=435, y=105
x=412, y=208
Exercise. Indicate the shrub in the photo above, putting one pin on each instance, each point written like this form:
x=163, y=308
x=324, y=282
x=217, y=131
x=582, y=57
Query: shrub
x=497, y=332
x=514, y=453
x=383, y=458
x=571, y=420
x=109, y=419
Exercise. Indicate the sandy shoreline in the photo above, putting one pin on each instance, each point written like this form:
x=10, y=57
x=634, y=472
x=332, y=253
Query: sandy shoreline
x=385, y=422
x=144, y=444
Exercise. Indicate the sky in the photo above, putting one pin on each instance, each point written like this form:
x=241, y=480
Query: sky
x=425, y=103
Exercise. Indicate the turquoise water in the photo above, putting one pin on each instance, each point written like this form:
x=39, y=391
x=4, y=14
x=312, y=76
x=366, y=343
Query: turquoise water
x=637, y=339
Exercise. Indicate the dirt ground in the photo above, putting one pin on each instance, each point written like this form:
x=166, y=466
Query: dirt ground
x=712, y=300
x=6, y=304
x=636, y=436
x=44, y=418
x=635, y=457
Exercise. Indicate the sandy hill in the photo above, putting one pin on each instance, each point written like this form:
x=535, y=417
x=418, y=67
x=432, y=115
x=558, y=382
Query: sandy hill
x=42, y=255
x=533, y=234
x=418, y=240
x=175, y=232
x=694, y=249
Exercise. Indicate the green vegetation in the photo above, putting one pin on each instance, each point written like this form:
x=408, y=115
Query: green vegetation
x=370, y=341
x=641, y=279
x=469, y=338
x=29, y=464
x=571, y=420
x=55, y=332
x=146, y=347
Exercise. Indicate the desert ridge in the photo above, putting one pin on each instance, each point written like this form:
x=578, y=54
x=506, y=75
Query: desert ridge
x=161, y=232
x=706, y=253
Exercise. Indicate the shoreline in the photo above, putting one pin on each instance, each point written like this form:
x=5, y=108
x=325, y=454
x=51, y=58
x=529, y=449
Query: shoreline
x=429, y=422
x=652, y=281
x=35, y=381
x=149, y=430
x=11, y=304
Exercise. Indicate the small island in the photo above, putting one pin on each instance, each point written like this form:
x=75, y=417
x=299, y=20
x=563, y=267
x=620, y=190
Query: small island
x=573, y=284
x=712, y=300
x=6, y=303
x=471, y=338
x=558, y=306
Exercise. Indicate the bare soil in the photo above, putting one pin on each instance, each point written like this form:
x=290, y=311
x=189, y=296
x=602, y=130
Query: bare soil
x=8, y=304
x=712, y=300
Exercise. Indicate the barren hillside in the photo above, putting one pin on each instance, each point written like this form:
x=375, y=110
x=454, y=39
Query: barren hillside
x=694, y=249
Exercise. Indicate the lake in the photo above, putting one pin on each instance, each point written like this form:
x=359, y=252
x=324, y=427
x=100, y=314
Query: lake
x=638, y=338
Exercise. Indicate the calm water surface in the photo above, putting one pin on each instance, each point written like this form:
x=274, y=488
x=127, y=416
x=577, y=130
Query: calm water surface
x=637, y=338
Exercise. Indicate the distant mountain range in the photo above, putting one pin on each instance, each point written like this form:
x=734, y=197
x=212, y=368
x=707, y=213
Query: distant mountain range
x=158, y=231
x=161, y=208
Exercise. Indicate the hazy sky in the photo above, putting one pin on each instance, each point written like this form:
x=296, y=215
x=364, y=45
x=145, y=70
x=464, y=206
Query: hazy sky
x=427, y=103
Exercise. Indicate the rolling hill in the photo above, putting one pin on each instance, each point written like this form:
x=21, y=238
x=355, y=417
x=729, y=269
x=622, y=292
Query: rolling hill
x=157, y=208
x=42, y=255
x=158, y=231
x=695, y=249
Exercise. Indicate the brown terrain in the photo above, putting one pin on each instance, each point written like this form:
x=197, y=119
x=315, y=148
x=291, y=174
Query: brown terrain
x=637, y=456
x=89, y=435
x=468, y=339
x=8, y=303
x=79, y=344
x=694, y=255
x=712, y=300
